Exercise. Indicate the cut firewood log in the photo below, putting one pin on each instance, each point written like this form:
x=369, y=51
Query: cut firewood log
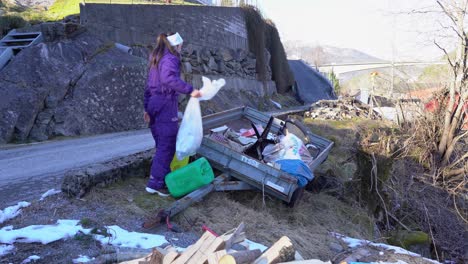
x=214, y=257
x=156, y=257
x=232, y=239
x=170, y=257
x=310, y=261
x=187, y=254
x=281, y=251
x=241, y=257
x=208, y=247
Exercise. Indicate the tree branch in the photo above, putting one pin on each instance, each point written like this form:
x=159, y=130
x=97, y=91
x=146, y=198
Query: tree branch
x=460, y=159
x=446, y=53
x=447, y=12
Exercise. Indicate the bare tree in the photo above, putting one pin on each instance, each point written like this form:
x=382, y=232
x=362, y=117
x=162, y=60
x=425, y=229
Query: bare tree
x=318, y=56
x=441, y=137
x=454, y=109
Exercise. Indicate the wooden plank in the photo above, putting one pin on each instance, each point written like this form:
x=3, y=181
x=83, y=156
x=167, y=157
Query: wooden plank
x=201, y=255
x=170, y=257
x=237, y=232
x=181, y=204
x=281, y=251
x=214, y=258
x=191, y=250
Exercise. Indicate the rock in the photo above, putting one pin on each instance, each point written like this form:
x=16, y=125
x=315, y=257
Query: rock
x=205, y=55
x=221, y=67
x=45, y=117
x=51, y=102
x=194, y=63
x=357, y=255
x=225, y=54
x=249, y=64
x=413, y=239
x=241, y=54
x=7, y=125
x=86, y=86
x=53, y=31
x=196, y=69
x=335, y=247
x=189, y=50
x=205, y=69
x=212, y=65
x=236, y=66
x=39, y=133
x=187, y=67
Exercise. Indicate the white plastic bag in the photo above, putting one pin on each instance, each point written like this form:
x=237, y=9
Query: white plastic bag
x=292, y=146
x=190, y=133
x=210, y=88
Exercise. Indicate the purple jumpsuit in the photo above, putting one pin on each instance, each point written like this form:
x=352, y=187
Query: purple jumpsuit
x=161, y=103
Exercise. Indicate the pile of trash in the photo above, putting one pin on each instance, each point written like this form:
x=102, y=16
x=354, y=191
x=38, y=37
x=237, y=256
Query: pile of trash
x=341, y=109
x=284, y=152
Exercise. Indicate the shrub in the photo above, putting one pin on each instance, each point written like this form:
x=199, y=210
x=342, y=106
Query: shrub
x=9, y=22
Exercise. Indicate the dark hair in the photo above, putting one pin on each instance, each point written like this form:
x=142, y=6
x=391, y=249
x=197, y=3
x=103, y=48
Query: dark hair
x=161, y=44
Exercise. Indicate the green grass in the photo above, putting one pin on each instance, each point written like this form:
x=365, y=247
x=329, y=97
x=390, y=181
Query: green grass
x=63, y=8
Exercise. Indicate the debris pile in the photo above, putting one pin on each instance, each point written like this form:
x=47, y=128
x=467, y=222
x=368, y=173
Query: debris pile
x=341, y=109
x=232, y=247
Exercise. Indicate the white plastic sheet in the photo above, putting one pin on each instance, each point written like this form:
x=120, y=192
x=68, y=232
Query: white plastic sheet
x=190, y=133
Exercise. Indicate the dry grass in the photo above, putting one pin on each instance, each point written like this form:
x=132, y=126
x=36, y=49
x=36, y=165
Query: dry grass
x=308, y=225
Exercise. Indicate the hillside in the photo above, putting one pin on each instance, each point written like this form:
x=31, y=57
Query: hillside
x=32, y=3
x=326, y=54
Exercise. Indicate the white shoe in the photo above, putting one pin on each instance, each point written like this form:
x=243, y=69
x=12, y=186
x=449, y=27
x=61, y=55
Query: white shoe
x=153, y=191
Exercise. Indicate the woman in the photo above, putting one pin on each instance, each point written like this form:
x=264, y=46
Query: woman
x=161, y=106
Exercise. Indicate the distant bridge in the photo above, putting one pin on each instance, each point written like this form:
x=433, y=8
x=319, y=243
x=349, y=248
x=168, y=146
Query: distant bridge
x=351, y=67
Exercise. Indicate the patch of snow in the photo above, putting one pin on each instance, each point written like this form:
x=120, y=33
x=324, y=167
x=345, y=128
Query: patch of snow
x=123, y=238
x=30, y=258
x=353, y=242
x=6, y=249
x=253, y=245
x=49, y=193
x=41, y=233
x=82, y=259
x=64, y=229
x=12, y=211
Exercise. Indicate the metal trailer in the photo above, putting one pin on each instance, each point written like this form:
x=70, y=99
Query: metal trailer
x=244, y=172
x=252, y=170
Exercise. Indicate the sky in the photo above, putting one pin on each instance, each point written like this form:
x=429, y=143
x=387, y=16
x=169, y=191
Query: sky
x=381, y=28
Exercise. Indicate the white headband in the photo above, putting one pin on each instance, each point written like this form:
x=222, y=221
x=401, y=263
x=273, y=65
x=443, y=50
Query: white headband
x=175, y=39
